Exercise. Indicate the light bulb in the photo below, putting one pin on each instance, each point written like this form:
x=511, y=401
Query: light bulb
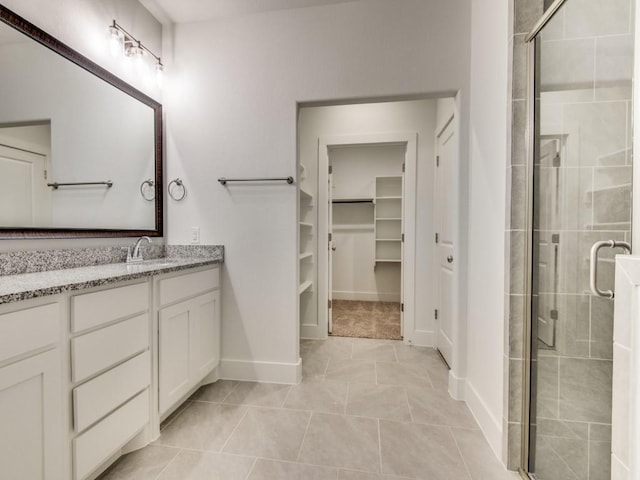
x=116, y=41
x=159, y=73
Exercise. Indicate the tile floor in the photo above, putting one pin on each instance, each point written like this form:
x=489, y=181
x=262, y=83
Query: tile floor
x=365, y=410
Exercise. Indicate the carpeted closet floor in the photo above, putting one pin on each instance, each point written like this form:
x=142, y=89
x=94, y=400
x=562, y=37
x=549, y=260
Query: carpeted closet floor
x=366, y=319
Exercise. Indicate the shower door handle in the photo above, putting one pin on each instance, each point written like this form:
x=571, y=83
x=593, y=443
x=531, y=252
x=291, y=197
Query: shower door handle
x=593, y=264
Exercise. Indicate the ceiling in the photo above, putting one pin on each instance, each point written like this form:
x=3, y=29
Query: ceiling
x=183, y=11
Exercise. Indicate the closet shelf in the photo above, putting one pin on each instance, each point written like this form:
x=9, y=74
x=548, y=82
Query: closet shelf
x=304, y=256
x=305, y=195
x=388, y=240
x=353, y=200
x=387, y=219
x=388, y=260
x=389, y=197
x=306, y=225
x=306, y=286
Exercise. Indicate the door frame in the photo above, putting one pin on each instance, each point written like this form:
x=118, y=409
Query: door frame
x=410, y=140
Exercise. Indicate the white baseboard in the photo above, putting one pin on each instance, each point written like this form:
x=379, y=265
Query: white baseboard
x=457, y=386
x=420, y=338
x=367, y=296
x=491, y=428
x=265, y=372
x=311, y=332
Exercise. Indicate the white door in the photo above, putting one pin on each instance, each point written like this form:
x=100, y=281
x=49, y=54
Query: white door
x=331, y=246
x=25, y=199
x=402, y=266
x=445, y=252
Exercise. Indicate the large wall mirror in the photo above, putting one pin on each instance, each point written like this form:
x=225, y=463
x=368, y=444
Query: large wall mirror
x=80, y=150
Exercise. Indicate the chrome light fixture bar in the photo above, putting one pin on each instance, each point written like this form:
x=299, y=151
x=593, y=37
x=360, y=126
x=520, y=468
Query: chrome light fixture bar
x=122, y=42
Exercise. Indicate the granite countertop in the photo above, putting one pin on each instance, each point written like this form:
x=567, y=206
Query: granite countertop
x=14, y=288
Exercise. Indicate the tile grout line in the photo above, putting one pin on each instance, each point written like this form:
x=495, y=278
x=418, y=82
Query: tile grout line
x=304, y=437
x=406, y=396
x=167, y=465
x=464, y=462
x=231, y=391
x=178, y=412
x=379, y=447
x=286, y=397
x=326, y=369
x=235, y=429
x=346, y=400
x=253, y=466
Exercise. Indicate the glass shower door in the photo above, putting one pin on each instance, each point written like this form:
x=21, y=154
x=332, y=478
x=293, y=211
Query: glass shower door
x=581, y=195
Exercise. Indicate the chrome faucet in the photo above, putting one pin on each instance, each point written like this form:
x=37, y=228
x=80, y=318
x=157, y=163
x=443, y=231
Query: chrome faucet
x=136, y=256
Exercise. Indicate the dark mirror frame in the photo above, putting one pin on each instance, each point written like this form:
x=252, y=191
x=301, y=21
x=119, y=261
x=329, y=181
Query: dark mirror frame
x=13, y=20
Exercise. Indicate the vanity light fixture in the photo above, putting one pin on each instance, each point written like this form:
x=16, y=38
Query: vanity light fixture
x=123, y=43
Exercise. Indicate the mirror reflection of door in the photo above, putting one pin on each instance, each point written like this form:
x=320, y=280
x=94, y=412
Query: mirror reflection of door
x=366, y=249
x=25, y=199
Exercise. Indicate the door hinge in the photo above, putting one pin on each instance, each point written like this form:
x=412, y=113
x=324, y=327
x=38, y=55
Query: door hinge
x=330, y=169
x=402, y=238
x=45, y=174
x=555, y=238
x=403, y=168
x=435, y=314
x=329, y=303
x=437, y=160
x=402, y=307
x=556, y=160
x=437, y=237
x=553, y=314
x=330, y=236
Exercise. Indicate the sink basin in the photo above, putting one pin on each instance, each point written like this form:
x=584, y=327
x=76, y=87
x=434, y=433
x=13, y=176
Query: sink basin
x=157, y=262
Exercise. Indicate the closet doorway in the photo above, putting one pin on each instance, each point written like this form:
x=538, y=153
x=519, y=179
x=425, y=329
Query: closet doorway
x=366, y=270
x=365, y=197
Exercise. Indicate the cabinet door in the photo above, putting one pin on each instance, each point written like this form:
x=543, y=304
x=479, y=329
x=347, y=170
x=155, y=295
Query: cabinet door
x=205, y=334
x=31, y=417
x=173, y=352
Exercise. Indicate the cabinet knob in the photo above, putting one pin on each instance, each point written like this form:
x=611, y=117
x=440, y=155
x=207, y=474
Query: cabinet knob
x=450, y=259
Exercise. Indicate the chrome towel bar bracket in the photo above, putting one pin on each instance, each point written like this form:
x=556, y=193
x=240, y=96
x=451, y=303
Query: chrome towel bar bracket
x=593, y=264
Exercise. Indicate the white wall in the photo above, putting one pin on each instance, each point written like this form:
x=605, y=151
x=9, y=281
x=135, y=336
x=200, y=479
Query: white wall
x=488, y=157
x=354, y=175
x=82, y=25
x=232, y=112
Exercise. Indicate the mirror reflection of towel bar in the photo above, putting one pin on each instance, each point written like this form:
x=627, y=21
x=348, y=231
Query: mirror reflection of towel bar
x=56, y=185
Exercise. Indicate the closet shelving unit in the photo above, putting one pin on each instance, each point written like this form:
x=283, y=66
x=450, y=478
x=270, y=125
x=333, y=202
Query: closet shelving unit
x=305, y=226
x=388, y=219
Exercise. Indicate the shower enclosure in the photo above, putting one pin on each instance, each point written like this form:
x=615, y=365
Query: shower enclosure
x=579, y=193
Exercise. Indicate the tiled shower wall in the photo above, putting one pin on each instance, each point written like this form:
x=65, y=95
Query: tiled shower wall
x=594, y=114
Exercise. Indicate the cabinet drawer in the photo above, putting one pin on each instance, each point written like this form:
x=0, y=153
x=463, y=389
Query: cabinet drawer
x=94, y=399
x=97, y=308
x=97, y=444
x=103, y=348
x=27, y=330
x=177, y=288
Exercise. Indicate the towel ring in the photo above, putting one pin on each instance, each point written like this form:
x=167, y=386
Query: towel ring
x=178, y=183
x=150, y=183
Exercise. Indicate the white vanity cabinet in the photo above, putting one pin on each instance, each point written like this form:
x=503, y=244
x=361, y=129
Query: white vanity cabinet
x=86, y=375
x=31, y=398
x=188, y=333
x=110, y=372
